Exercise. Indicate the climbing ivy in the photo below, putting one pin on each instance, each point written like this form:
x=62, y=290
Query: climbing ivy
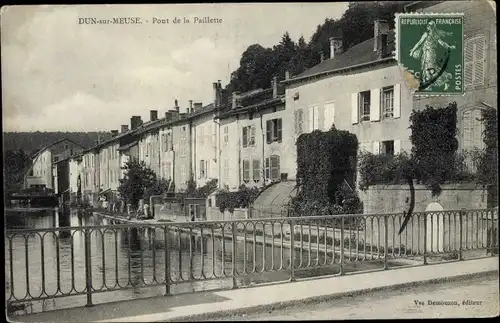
x=242, y=198
x=434, y=140
x=325, y=162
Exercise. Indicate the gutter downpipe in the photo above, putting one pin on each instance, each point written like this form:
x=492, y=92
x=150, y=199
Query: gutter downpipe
x=239, y=149
x=218, y=153
x=262, y=168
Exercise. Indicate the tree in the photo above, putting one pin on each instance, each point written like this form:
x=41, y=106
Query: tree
x=16, y=164
x=139, y=182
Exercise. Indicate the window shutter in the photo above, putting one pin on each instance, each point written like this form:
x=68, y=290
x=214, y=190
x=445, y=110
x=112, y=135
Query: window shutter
x=256, y=170
x=269, y=131
x=397, y=146
x=375, y=105
x=316, y=117
x=397, y=101
x=310, y=112
x=296, y=119
x=376, y=147
x=479, y=60
x=253, y=135
x=245, y=136
x=280, y=130
x=354, y=108
x=329, y=116
x=469, y=61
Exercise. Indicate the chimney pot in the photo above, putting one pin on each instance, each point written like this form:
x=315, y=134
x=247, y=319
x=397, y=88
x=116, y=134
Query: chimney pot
x=153, y=115
x=287, y=75
x=197, y=106
x=114, y=133
x=190, y=106
x=380, y=27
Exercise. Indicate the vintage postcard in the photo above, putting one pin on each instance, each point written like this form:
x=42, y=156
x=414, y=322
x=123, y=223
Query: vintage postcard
x=250, y=161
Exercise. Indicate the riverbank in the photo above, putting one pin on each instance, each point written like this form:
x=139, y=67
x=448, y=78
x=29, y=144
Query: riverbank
x=204, y=306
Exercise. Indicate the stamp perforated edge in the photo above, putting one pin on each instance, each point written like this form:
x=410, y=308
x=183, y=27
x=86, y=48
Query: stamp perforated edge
x=396, y=51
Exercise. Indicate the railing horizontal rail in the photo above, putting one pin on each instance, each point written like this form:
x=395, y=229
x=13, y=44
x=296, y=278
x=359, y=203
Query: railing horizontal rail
x=53, y=263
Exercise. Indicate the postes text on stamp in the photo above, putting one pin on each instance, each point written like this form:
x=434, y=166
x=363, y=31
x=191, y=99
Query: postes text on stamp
x=430, y=48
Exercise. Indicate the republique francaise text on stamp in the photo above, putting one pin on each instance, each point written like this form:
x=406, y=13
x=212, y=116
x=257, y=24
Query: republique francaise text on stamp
x=430, y=47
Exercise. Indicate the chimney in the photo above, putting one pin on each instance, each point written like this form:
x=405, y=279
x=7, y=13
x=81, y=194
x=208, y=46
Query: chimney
x=124, y=128
x=176, y=105
x=190, y=106
x=322, y=56
x=114, y=133
x=335, y=46
x=235, y=99
x=274, y=84
x=197, y=106
x=135, y=122
x=382, y=46
x=287, y=75
x=153, y=115
x=381, y=27
x=216, y=93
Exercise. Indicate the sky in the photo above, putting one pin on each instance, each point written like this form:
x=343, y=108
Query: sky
x=60, y=75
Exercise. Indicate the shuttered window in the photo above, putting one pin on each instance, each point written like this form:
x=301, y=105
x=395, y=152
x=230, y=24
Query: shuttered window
x=328, y=116
x=226, y=168
x=474, y=60
x=256, y=170
x=245, y=136
x=273, y=130
x=246, y=171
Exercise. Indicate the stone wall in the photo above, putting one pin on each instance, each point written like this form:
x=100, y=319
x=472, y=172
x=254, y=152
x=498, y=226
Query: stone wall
x=396, y=198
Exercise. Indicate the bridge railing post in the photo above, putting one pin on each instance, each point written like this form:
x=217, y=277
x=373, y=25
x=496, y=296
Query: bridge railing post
x=234, y=241
x=167, y=260
x=292, y=250
x=386, y=241
x=88, y=268
x=425, y=238
x=342, y=262
x=461, y=237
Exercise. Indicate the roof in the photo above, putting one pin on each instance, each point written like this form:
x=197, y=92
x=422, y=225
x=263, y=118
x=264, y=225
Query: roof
x=274, y=199
x=359, y=54
x=263, y=104
x=52, y=144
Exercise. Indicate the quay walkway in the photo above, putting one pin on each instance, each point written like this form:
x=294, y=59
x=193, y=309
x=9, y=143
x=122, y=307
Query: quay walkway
x=216, y=304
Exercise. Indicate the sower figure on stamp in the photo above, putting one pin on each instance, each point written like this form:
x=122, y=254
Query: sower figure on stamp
x=426, y=49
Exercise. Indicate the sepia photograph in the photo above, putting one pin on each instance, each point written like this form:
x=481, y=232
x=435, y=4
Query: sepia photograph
x=250, y=161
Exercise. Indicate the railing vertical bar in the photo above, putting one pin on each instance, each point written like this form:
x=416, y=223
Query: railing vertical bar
x=386, y=242
x=371, y=238
x=42, y=251
x=310, y=245
x=129, y=233
x=419, y=226
x=350, y=243
x=254, y=256
x=292, y=251
x=400, y=217
x=223, y=227
x=461, y=235
x=213, y=251
x=191, y=274
x=364, y=239
x=244, y=248
x=103, y=259
x=342, y=269
x=116, y=257
x=432, y=233
x=166, y=244
x=449, y=232
x=477, y=230
x=378, y=237
x=28, y=293
x=11, y=262
x=393, y=234
x=264, y=247
x=88, y=268
x=281, y=247
x=202, y=247
x=317, y=244
x=153, y=239
x=179, y=232
x=325, y=235
x=272, y=249
x=425, y=238
x=233, y=258
x=301, y=245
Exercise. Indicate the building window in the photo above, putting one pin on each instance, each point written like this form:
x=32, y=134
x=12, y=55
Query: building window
x=472, y=135
x=272, y=169
x=474, y=60
x=313, y=118
x=256, y=170
x=56, y=159
x=364, y=105
x=299, y=121
x=328, y=115
x=387, y=147
x=248, y=136
x=388, y=102
x=182, y=147
x=273, y=130
x=183, y=174
x=226, y=135
x=246, y=171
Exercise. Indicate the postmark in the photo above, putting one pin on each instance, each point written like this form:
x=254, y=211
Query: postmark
x=429, y=47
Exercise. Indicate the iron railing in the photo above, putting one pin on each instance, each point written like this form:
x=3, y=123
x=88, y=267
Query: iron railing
x=44, y=264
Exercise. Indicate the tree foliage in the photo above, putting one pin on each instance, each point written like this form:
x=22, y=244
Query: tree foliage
x=326, y=163
x=488, y=163
x=15, y=165
x=242, y=198
x=202, y=191
x=139, y=182
x=258, y=65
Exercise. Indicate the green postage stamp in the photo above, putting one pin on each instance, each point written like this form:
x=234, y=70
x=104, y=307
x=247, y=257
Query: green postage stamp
x=430, y=48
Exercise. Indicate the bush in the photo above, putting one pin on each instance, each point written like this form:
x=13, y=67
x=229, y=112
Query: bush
x=200, y=192
x=240, y=199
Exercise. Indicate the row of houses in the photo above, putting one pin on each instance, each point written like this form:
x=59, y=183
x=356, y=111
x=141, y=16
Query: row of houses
x=249, y=138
